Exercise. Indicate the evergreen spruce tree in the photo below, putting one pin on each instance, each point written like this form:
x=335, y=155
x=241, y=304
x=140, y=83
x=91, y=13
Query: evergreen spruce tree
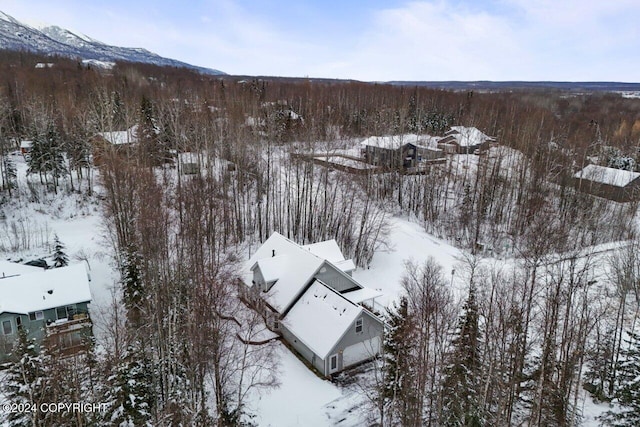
x=46, y=156
x=152, y=147
x=461, y=380
x=24, y=383
x=129, y=397
x=9, y=177
x=55, y=159
x=60, y=258
x=36, y=157
x=398, y=392
x=627, y=394
x=132, y=286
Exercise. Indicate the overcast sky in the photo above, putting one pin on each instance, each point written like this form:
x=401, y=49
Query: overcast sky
x=372, y=40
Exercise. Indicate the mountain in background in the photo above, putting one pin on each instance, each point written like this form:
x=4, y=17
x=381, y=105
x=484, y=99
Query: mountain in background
x=53, y=40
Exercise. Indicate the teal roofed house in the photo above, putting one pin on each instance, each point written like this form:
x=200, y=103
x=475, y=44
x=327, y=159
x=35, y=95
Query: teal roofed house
x=51, y=305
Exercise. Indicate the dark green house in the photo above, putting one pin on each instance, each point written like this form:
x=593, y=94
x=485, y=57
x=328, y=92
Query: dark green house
x=51, y=305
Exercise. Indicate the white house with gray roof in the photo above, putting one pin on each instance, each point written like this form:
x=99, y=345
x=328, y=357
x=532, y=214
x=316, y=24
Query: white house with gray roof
x=307, y=294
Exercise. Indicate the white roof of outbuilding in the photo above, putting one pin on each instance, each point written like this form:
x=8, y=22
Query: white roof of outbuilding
x=321, y=317
x=394, y=142
x=45, y=289
x=604, y=175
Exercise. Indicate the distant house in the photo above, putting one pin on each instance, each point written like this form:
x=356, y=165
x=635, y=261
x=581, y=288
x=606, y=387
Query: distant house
x=400, y=151
x=26, y=147
x=307, y=294
x=120, y=142
x=464, y=140
x=120, y=137
x=613, y=184
x=193, y=163
x=50, y=305
x=189, y=163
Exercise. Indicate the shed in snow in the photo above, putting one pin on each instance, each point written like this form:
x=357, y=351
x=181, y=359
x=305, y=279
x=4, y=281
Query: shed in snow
x=26, y=147
x=307, y=294
x=613, y=184
x=49, y=304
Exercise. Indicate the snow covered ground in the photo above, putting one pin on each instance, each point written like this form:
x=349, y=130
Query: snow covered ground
x=303, y=399
x=406, y=241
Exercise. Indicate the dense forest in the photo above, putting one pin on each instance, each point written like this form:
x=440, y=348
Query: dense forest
x=526, y=339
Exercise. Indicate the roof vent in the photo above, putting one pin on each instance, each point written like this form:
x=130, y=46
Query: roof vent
x=50, y=291
x=273, y=252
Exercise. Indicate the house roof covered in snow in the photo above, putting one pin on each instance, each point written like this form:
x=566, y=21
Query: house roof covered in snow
x=129, y=136
x=26, y=144
x=46, y=289
x=8, y=268
x=321, y=317
x=360, y=295
x=330, y=251
x=467, y=136
x=393, y=142
x=292, y=267
x=604, y=175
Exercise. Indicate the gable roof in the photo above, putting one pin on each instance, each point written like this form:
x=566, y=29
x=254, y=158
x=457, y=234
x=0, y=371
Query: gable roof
x=289, y=264
x=45, y=289
x=321, y=317
x=292, y=267
x=609, y=176
x=129, y=136
x=393, y=142
x=467, y=136
x=330, y=251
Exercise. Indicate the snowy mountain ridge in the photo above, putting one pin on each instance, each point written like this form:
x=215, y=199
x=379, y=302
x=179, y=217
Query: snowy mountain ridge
x=53, y=40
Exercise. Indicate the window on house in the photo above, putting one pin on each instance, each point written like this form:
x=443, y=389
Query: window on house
x=6, y=327
x=334, y=362
x=71, y=311
x=36, y=315
x=359, y=326
x=276, y=324
x=18, y=322
x=61, y=313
